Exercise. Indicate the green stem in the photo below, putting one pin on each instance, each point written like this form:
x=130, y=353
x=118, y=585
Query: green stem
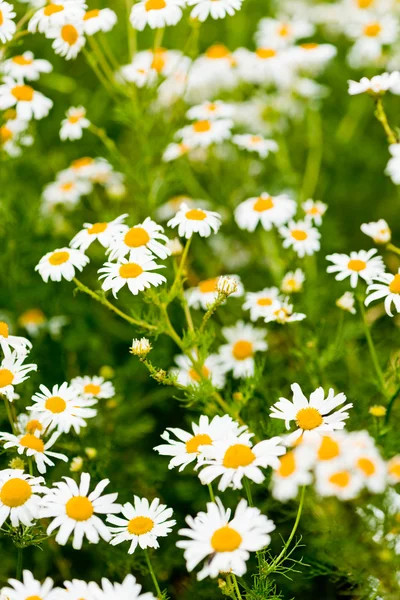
x=246, y=484
x=102, y=60
x=158, y=37
x=314, y=158
x=19, y=563
x=181, y=267
x=390, y=405
x=30, y=465
x=153, y=575
x=211, y=491
x=9, y=414
x=393, y=248
x=101, y=134
x=382, y=118
x=372, y=351
x=131, y=32
x=235, y=583
x=93, y=64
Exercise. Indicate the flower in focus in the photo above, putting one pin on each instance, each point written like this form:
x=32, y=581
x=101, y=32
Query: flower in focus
x=105, y=233
x=96, y=20
x=136, y=273
x=347, y=302
x=129, y=589
x=144, y=235
x=7, y=25
x=195, y=220
x=73, y=125
x=293, y=282
x=20, y=497
x=56, y=14
x=61, y=263
x=244, y=341
x=156, y=13
x=216, y=9
x=255, y=143
x=17, y=342
x=387, y=286
x=358, y=264
x=140, y=347
x=207, y=291
x=32, y=445
x=28, y=103
x=13, y=371
x=30, y=588
x=69, y=38
x=379, y=231
x=302, y=237
x=92, y=387
x=265, y=209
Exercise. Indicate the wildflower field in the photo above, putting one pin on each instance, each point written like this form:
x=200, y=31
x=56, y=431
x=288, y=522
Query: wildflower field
x=199, y=300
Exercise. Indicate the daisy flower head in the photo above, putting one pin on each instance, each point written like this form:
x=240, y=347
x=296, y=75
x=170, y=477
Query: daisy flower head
x=96, y=20
x=379, y=231
x=129, y=589
x=363, y=264
x=234, y=459
x=156, y=13
x=13, y=371
x=281, y=33
x=282, y=313
x=293, y=282
x=26, y=66
x=205, y=132
x=147, y=235
x=244, y=341
x=393, y=470
x=67, y=190
x=371, y=32
x=372, y=468
x=255, y=143
x=73, y=125
x=314, y=210
x=222, y=541
x=137, y=273
x=347, y=302
x=30, y=587
x=313, y=416
x=20, y=497
x=142, y=524
x=211, y=110
x=61, y=408
x=385, y=286
x=337, y=478
x=207, y=291
x=75, y=510
x=140, y=347
x=302, y=237
x=104, y=232
x=195, y=220
x=261, y=303
x=68, y=38
x=61, y=264
x=174, y=151
x=393, y=165
x=28, y=103
x=188, y=447
x=33, y=320
x=311, y=57
x=216, y=9
x=93, y=387
x=77, y=590
x=16, y=342
x=55, y=14
x=212, y=369
x=7, y=25
x=293, y=472
x=265, y=209
x=33, y=446
x=377, y=85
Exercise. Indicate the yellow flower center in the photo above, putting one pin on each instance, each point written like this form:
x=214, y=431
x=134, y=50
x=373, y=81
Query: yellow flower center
x=58, y=258
x=242, y=350
x=75, y=118
x=33, y=425
x=66, y=187
x=3, y=329
x=284, y=30
x=372, y=29
x=32, y=442
x=140, y=525
x=264, y=301
x=195, y=214
x=155, y=5
x=308, y=418
x=39, y=598
x=299, y=235
x=6, y=378
x=255, y=139
x=287, y=464
x=394, y=286
x=262, y=204
x=212, y=107
x=208, y=285
x=367, y=466
x=33, y=316
x=91, y=14
x=365, y=3
x=356, y=265
x=21, y=60
x=92, y=388
x=341, y=479
x=15, y=492
x=158, y=62
x=309, y=46
x=69, y=34
x=217, y=51
x=51, y=9
x=195, y=376
x=136, y=236
x=79, y=508
x=55, y=404
x=130, y=270
x=1, y=18
x=201, y=439
x=394, y=469
x=97, y=228
x=226, y=539
x=237, y=456
x=265, y=53
x=23, y=93
x=328, y=449
x=85, y=161
x=202, y=126
x=5, y=134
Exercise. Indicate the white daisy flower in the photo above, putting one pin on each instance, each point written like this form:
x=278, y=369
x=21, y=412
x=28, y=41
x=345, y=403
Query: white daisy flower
x=311, y=57
x=174, y=151
x=379, y=231
x=13, y=371
x=205, y=132
x=302, y=237
x=393, y=165
x=223, y=542
x=377, y=85
x=56, y=14
x=20, y=497
x=393, y=470
x=28, y=103
x=293, y=282
x=93, y=387
x=32, y=445
x=210, y=111
x=266, y=66
x=216, y=9
x=314, y=210
x=167, y=210
x=385, y=286
x=74, y=511
x=26, y=66
x=261, y=303
x=293, y=472
x=234, y=459
x=265, y=209
x=282, y=313
x=335, y=478
x=282, y=33
x=347, y=302
x=105, y=233
x=144, y=235
x=96, y=20
x=72, y=127
x=313, y=416
x=60, y=408
x=188, y=447
x=33, y=320
x=195, y=220
x=140, y=347
x=69, y=38
x=77, y=590
x=30, y=588
x=206, y=292
x=129, y=589
x=372, y=469
x=244, y=341
x=136, y=273
x=7, y=25
x=61, y=264
x=371, y=33
x=16, y=342
x=66, y=190
x=142, y=525
x=156, y=13
x=212, y=369
x=358, y=264
x=255, y=143
x=13, y=135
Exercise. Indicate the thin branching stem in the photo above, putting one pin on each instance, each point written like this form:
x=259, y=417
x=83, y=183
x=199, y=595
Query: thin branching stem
x=382, y=118
x=371, y=346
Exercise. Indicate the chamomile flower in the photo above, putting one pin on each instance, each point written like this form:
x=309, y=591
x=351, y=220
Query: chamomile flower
x=30, y=587
x=7, y=25
x=265, y=209
x=336, y=478
x=385, y=286
x=377, y=85
x=69, y=38
x=20, y=497
x=75, y=511
x=280, y=33
x=33, y=320
x=142, y=525
x=261, y=303
x=371, y=33
x=188, y=447
x=67, y=190
x=210, y=111
x=347, y=302
x=144, y=235
x=205, y=132
x=73, y=125
x=129, y=589
x=293, y=472
x=313, y=416
x=244, y=341
x=255, y=143
x=13, y=371
x=26, y=66
x=195, y=220
x=302, y=237
x=77, y=590
x=282, y=313
x=156, y=13
x=371, y=468
x=137, y=273
x=16, y=342
x=61, y=264
x=362, y=264
x=104, y=232
x=216, y=9
x=96, y=20
x=379, y=231
x=174, y=151
x=311, y=57
x=314, y=210
x=33, y=446
x=393, y=470
x=140, y=347
x=93, y=387
x=393, y=165
x=28, y=103
x=224, y=543
x=206, y=292
x=293, y=282
x=212, y=369
x=56, y=14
